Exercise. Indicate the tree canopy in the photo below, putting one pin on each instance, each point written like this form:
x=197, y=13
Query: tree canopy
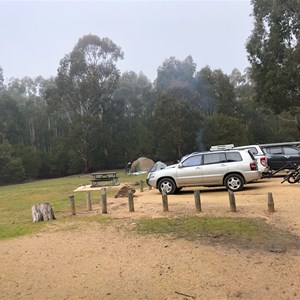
x=90, y=116
x=274, y=54
x=86, y=81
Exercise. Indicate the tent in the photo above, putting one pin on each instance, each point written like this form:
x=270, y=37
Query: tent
x=142, y=164
x=158, y=166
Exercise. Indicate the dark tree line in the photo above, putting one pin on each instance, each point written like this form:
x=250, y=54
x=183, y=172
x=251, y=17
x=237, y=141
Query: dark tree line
x=91, y=117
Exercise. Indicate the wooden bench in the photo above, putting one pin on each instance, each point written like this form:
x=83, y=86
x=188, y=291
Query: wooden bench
x=105, y=176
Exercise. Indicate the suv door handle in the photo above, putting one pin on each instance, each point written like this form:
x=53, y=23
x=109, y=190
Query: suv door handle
x=287, y=156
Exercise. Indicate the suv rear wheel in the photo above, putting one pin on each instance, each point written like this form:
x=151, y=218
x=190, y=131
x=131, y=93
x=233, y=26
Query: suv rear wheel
x=234, y=182
x=168, y=185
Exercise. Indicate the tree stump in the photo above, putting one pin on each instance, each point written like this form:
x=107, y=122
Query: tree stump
x=42, y=212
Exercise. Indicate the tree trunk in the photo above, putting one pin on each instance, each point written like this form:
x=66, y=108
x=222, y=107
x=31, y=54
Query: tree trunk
x=42, y=212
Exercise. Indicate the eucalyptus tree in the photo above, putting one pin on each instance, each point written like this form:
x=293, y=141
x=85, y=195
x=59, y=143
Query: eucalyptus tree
x=85, y=83
x=134, y=104
x=11, y=168
x=176, y=125
x=216, y=93
x=177, y=117
x=274, y=55
x=174, y=72
x=2, y=86
x=11, y=120
x=28, y=93
x=220, y=129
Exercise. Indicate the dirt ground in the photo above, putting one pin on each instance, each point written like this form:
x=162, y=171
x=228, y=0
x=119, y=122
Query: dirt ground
x=107, y=262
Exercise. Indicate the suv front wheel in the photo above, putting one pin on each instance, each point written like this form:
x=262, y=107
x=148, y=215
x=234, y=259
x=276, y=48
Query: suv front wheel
x=168, y=185
x=234, y=182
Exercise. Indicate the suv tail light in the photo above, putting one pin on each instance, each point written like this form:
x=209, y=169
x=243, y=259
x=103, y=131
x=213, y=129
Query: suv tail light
x=263, y=161
x=253, y=166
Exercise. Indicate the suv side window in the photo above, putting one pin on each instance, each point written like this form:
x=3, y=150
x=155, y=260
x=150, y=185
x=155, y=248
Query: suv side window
x=290, y=151
x=233, y=156
x=274, y=150
x=214, y=158
x=194, y=160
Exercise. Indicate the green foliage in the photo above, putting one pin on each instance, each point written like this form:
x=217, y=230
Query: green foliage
x=174, y=72
x=11, y=120
x=220, y=129
x=90, y=117
x=11, y=168
x=215, y=92
x=177, y=122
x=31, y=160
x=86, y=81
x=274, y=54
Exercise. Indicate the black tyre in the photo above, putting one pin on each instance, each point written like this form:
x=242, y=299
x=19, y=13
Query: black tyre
x=177, y=190
x=293, y=179
x=168, y=185
x=234, y=182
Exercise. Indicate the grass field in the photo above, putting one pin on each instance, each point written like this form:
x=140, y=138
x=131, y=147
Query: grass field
x=16, y=219
x=16, y=201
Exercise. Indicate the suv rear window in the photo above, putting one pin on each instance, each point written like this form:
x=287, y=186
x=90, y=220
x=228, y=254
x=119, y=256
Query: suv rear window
x=253, y=150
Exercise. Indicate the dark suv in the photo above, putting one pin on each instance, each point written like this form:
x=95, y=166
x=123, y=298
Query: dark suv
x=282, y=157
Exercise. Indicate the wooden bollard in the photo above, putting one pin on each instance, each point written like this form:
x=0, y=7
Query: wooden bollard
x=141, y=186
x=72, y=203
x=270, y=203
x=165, y=200
x=104, y=201
x=197, y=200
x=130, y=201
x=88, y=201
x=232, y=201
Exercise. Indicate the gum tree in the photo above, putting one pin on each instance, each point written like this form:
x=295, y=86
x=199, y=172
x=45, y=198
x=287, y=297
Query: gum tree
x=85, y=83
x=274, y=54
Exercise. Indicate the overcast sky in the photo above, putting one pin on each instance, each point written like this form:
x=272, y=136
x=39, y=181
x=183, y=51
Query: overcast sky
x=35, y=35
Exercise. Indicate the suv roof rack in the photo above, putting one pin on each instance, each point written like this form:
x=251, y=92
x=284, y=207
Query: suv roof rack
x=221, y=147
x=280, y=144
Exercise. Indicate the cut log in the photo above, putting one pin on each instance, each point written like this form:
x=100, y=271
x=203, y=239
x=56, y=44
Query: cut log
x=42, y=212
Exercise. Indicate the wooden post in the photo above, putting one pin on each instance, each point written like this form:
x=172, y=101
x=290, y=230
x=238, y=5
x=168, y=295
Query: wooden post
x=165, y=200
x=88, y=201
x=197, y=200
x=232, y=201
x=104, y=201
x=141, y=186
x=130, y=201
x=270, y=203
x=72, y=203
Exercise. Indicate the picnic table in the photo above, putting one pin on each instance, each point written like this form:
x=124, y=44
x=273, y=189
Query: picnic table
x=104, y=176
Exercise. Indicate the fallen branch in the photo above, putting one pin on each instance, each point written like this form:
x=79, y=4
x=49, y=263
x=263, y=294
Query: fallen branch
x=186, y=295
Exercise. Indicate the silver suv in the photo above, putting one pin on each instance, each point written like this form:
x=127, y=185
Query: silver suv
x=230, y=168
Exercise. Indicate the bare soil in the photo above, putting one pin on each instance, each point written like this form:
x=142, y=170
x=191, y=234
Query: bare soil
x=93, y=261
